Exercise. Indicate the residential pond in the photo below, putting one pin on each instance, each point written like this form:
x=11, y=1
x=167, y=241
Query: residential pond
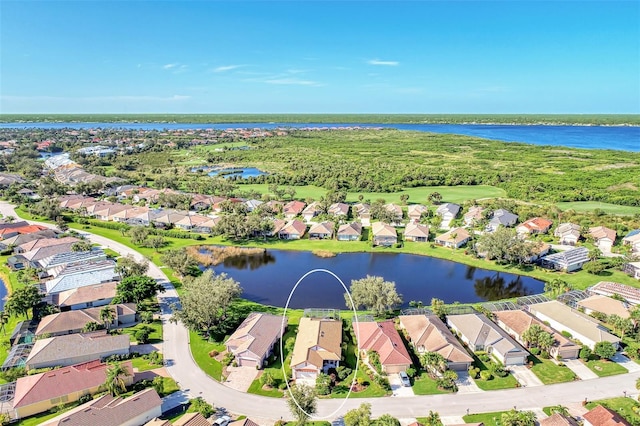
x=243, y=173
x=269, y=277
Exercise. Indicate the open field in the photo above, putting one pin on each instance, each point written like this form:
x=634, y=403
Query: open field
x=585, y=206
x=605, y=119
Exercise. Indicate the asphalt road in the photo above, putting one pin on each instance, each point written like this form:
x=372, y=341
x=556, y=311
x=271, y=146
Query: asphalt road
x=195, y=382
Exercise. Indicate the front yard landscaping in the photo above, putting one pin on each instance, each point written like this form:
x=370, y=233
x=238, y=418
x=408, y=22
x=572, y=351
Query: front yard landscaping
x=481, y=360
x=200, y=349
x=549, y=372
x=604, y=368
x=425, y=385
x=489, y=419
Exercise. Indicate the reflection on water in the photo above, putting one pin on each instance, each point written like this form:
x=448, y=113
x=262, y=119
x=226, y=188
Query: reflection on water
x=249, y=261
x=496, y=288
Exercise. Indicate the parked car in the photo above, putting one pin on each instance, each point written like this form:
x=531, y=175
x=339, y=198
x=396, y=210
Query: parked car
x=222, y=421
x=405, y=379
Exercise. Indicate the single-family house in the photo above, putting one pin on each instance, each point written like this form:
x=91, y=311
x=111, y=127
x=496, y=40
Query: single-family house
x=62, y=259
x=633, y=239
x=108, y=212
x=293, y=209
x=516, y=322
x=350, y=232
x=568, y=233
x=169, y=217
x=41, y=392
x=603, y=237
x=586, y=329
x=383, y=234
x=312, y=210
x=339, y=210
x=416, y=211
x=557, y=419
x=293, y=230
x=427, y=333
x=278, y=224
x=633, y=269
x=18, y=262
x=25, y=238
x=253, y=204
x=601, y=416
x=76, y=349
x=244, y=422
x=85, y=297
x=607, y=288
x=70, y=322
x=83, y=275
x=536, y=225
x=12, y=231
x=474, y=216
x=44, y=242
x=363, y=211
x=454, y=238
x=254, y=340
x=538, y=251
x=321, y=231
x=383, y=338
x=416, y=232
x=35, y=256
x=567, y=261
x=107, y=410
x=202, y=202
x=479, y=333
x=448, y=212
x=603, y=305
x=197, y=223
x=79, y=267
x=501, y=217
x=396, y=211
x=317, y=348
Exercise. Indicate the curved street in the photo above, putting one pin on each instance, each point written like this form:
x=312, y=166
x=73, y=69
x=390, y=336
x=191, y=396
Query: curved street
x=195, y=382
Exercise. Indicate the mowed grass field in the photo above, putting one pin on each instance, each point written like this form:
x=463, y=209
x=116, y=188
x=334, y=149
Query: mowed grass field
x=453, y=194
x=584, y=206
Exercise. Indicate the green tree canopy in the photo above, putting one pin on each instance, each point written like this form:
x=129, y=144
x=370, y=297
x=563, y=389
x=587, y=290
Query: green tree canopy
x=360, y=416
x=23, y=299
x=128, y=266
x=302, y=402
x=115, y=383
x=136, y=289
x=373, y=293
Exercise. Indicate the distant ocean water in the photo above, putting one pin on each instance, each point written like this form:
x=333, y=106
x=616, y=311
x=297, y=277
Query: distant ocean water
x=624, y=138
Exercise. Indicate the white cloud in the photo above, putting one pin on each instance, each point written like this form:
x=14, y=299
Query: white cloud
x=292, y=81
x=224, y=68
x=383, y=63
x=169, y=66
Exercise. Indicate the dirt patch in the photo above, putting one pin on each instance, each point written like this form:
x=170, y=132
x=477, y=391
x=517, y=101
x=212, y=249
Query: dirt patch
x=627, y=185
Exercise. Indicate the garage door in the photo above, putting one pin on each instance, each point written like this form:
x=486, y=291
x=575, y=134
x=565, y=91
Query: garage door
x=305, y=375
x=244, y=362
x=515, y=361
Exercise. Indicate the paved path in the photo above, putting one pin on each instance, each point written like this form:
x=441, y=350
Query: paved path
x=194, y=382
x=581, y=370
x=466, y=384
x=397, y=388
x=627, y=363
x=525, y=376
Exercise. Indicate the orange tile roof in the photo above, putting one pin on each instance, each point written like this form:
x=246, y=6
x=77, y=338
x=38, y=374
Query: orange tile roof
x=383, y=338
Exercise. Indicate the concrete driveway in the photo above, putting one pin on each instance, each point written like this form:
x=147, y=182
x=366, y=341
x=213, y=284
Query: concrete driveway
x=629, y=364
x=580, y=369
x=240, y=378
x=466, y=384
x=397, y=388
x=525, y=376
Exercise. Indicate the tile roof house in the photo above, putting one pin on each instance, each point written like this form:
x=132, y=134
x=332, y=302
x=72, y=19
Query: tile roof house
x=454, y=238
x=85, y=297
x=76, y=349
x=293, y=209
x=515, y=322
x=63, y=259
x=253, y=204
x=416, y=232
x=632, y=239
x=474, y=215
x=604, y=305
x=323, y=231
x=427, y=333
x=383, y=234
x=396, y=210
x=601, y=416
x=84, y=275
x=479, y=333
x=501, y=217
x=192, y=419
x=383, y=338
x=25, y=238
x=581, y=326
x=20, y=228
x=293, y=230
x=448, y=211
x=41, y=392
x=363, y=212
x=569, y=233
x=557, y=419
x=310, y=211
x=537, y=225
x=108, y=213
x=44, y=242
x=317, y=348
x=567, y=261
x=253, y=341
x=603, y=237
x=608, y=288
x=197, y=223
x=244, y=422
x=350, y=232
x=339, y=210
x=80, y=267
x=416, y=211
x=108, y=410
x=36, y=255
x=73, y=321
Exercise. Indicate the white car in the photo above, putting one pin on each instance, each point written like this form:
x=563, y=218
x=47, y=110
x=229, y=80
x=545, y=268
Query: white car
x=404, y=378
x=222, y=421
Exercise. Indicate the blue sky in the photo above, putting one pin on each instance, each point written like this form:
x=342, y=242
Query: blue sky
x=319, y=57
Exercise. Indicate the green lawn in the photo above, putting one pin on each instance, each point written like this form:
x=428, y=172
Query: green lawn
x=489, y=419
x=495, y=383
x=143, y=364
x=604, y=368
x=275, y=369
x=425, y=385
x=623, y=406
x=200, y=349
x=584, y=206
x=154, y=337
x=549, y=372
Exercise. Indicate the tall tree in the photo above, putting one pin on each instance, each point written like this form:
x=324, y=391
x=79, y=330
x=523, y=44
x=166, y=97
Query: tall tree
x=180, y=261
x=115, y=383
x=604, y=349
x=531, y=335
x=374, y=294
x=107, y=315
x=136, y=289
x=206, y=301
x=23, y=299
x=433, y=419
x=518, y=418
x=127, y=266
x=434, y=363
x=4, y=319
x=360, y=416
x=387, y=420
x=302, y=402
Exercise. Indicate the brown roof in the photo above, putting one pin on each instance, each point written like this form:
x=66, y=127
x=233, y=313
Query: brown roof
x=608, y=288
x=293, y=207
x=192, y=419
x=244, y=422
x=47, y=242
x=600, y=232
x=605, y=305
x=322, y=228
x=601, y=416
x=90, y=293
x=256, y=333
x=537, y=224
x=520, y=321
x=324, y=333
x=461, y=234
x=75, y=320
x=60, y=382
x=429, y=332
x=382, y=229
x=110, y=411
x=558, y=420
x=416, y=230
x=383, y=338
x=354, y=228
x=294, y=227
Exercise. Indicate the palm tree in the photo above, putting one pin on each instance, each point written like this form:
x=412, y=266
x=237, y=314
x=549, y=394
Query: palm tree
x=4, y=319
x=560, y=409
x=433, y=362
x=433, y=419
x=107, y=315
x=531, y=335
x=115, y=379
x=545, y=341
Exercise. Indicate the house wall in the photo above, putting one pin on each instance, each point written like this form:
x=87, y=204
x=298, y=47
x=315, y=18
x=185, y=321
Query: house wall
x=94, y=303
x=390, y=369
x=126, y=319
x=348, y=237
x=513, y=359
x=459, y=366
